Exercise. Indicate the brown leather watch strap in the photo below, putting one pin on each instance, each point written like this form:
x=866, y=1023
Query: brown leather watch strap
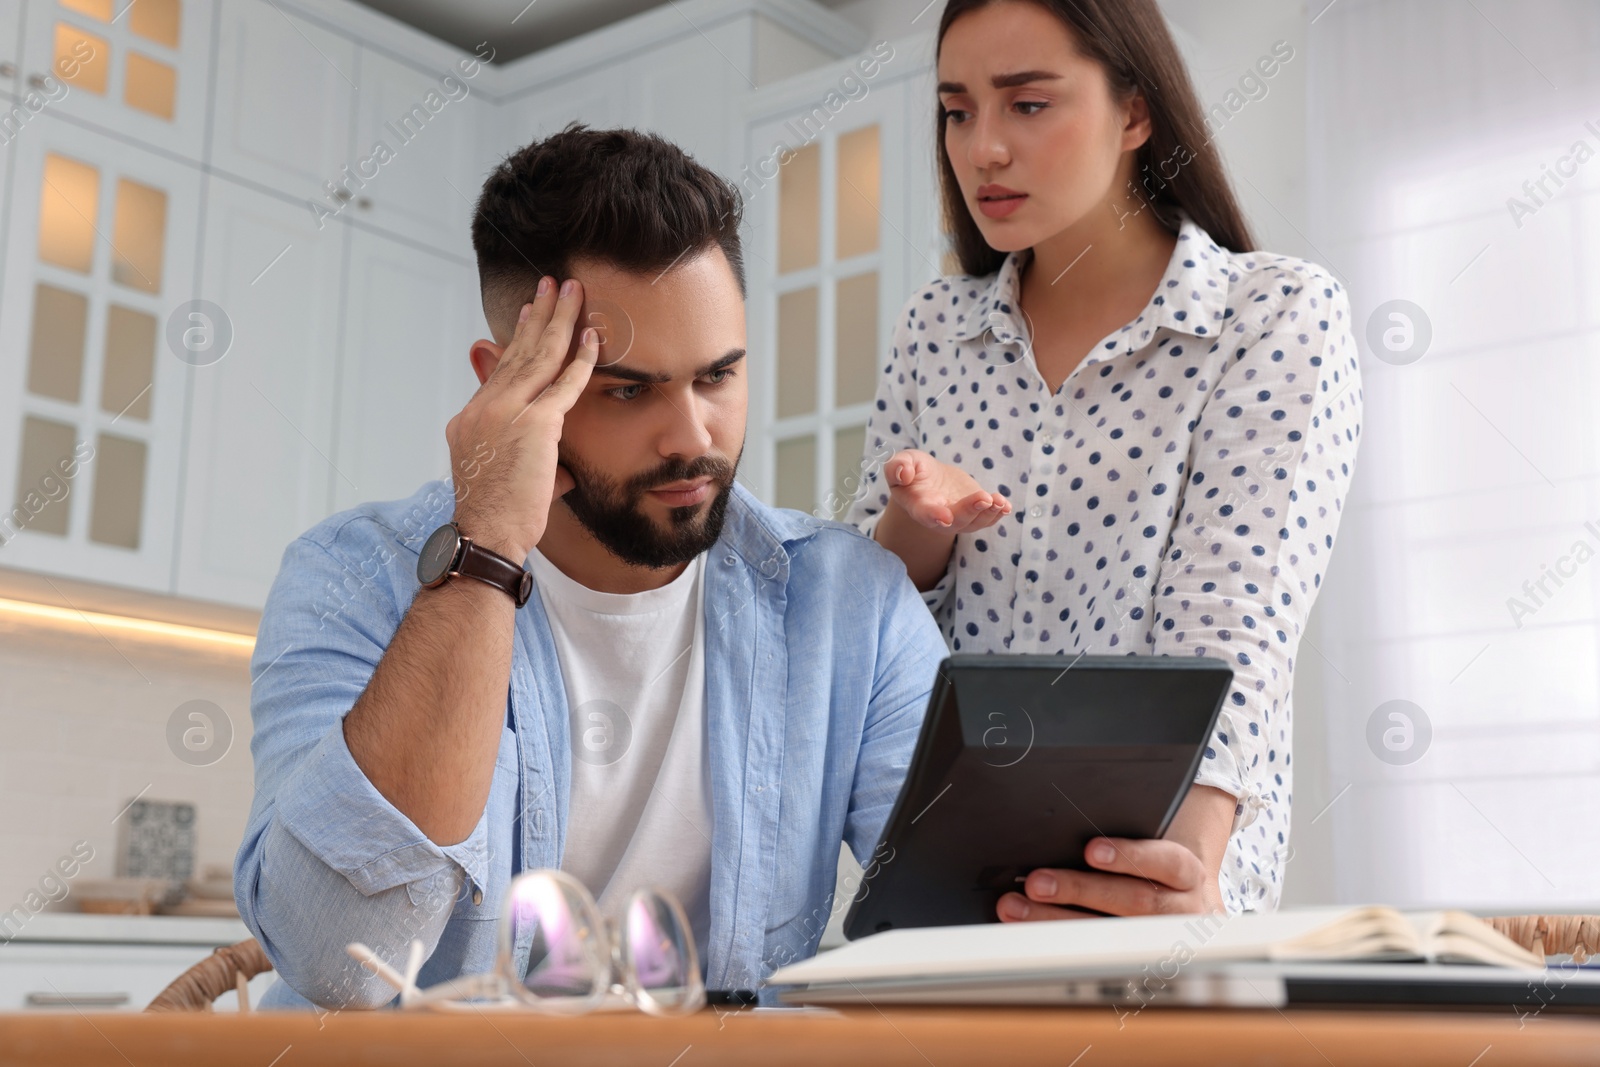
x=491, y=567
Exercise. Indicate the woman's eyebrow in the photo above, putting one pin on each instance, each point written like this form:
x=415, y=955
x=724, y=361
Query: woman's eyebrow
x=1004, y=81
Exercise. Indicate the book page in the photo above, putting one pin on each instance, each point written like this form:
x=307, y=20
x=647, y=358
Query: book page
x=1462, y=937
x=1373, y=932
x=1013, y=948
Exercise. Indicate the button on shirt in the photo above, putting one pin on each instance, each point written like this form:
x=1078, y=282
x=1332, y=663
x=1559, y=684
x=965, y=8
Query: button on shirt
x=1177, y=495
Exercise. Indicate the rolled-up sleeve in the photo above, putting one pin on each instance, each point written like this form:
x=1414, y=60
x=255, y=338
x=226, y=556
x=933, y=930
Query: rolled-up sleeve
x=1269, y=470
x=326, y=859
x=910, y=650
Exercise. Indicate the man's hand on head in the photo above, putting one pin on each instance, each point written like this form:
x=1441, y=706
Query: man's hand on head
x=516, y=417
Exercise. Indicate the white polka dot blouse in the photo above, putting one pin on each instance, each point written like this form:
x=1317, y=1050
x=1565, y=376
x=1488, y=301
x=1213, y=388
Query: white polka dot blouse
x=1178, y=495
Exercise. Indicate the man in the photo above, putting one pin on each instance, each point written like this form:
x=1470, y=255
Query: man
x=654, y=678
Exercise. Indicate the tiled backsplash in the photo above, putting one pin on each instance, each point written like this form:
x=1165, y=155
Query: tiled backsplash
x=84, y=727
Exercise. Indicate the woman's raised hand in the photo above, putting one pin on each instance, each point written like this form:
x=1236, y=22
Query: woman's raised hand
x=941, y=496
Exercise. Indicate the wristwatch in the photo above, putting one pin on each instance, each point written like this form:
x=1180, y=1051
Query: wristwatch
x=448, y=552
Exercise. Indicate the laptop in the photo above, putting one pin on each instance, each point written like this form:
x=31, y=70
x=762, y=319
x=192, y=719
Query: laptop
x=1561, y=988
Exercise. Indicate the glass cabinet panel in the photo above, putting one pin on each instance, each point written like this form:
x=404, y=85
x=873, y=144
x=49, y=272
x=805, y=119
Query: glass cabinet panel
x=95, y=9
x=855, y=340
x=130, y=360
x=68, y=204
x=82, y=59
x=151, y=86
x=849, y=444
x=797, y=352
x=797, y=473
x=800, y=210
x=46, y=444
x=859, y=179
x=55, y=357
x=156, y=20
x=138, y=236
x=117, y=508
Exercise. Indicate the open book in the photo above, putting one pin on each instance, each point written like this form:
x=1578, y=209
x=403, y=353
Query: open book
x=1041, y=950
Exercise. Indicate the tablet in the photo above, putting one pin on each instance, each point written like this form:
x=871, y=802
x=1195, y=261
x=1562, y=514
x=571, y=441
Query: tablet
x=1020, y=762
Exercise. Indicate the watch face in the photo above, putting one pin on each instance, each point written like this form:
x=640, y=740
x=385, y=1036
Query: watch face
x=433, y=565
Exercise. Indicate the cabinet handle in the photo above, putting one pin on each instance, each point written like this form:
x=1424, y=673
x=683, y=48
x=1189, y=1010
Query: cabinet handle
x=364, y=203
x=8, y=69
x=36, y=80
x=342, y=195
x=76, y=1000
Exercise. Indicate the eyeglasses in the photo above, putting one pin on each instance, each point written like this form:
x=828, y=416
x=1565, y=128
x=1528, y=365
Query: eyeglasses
x=578, y=960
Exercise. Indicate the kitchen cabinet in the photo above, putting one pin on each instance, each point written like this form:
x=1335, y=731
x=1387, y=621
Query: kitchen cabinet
x=686, y=71
x=343, y=278
x=10, y=49
x=410, y=319
x=285, y=91
x=417, y=173
x=138, y=69
x=690, y=93
x=99, y=250
x=596, y=98
x=260, y=437
x=837, y=240
x=90, y=963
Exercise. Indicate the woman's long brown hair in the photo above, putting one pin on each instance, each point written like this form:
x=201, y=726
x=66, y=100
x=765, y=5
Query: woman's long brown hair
x=1176, y=168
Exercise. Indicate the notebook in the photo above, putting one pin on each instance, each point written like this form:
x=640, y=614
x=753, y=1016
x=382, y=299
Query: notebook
x=985, y=952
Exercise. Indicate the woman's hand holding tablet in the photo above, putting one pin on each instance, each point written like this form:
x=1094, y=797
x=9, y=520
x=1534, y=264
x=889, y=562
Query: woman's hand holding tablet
x=1137, y=877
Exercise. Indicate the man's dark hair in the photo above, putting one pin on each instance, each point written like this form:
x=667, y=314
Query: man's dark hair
x=629, y=199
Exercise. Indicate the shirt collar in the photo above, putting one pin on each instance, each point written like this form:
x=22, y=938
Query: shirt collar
x=1191, y=297
x=759, y=534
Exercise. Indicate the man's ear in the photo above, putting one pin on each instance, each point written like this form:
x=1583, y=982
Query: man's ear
x=485, y=358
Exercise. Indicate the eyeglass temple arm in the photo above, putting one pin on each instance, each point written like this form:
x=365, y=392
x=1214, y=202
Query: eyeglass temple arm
x=404, y=983
x=465, y=987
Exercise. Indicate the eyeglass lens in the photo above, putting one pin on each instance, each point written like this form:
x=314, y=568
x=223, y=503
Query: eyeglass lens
x=568, y=957
x=659, y=962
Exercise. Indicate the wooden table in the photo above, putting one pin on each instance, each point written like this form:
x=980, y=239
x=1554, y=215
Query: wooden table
x=914, y=1037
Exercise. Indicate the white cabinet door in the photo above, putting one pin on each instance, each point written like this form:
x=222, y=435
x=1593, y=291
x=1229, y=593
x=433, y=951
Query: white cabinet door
x=690, y=87
x=410, y=320
x=599, y=99
x=648, y=93
x=99, y=254
x=10, y=53
x=260, y=440
x=91, y=977
x=283, y=101
x=700, y=70
x=138, y=67
x=416, y=172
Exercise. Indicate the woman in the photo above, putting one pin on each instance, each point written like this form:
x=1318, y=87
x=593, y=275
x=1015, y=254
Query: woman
x=1119, y=430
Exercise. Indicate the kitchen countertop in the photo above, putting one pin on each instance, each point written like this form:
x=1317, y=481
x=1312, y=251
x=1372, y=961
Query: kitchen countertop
x=131, y=929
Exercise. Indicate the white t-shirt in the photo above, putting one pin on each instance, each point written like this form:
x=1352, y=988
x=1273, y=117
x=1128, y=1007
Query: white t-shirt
x=634, y=668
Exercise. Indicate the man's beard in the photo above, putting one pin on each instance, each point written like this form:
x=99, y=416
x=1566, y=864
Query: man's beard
x=610, y=510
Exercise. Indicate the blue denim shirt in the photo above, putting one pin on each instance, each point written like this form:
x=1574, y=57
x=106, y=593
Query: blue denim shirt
x=820, y=656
